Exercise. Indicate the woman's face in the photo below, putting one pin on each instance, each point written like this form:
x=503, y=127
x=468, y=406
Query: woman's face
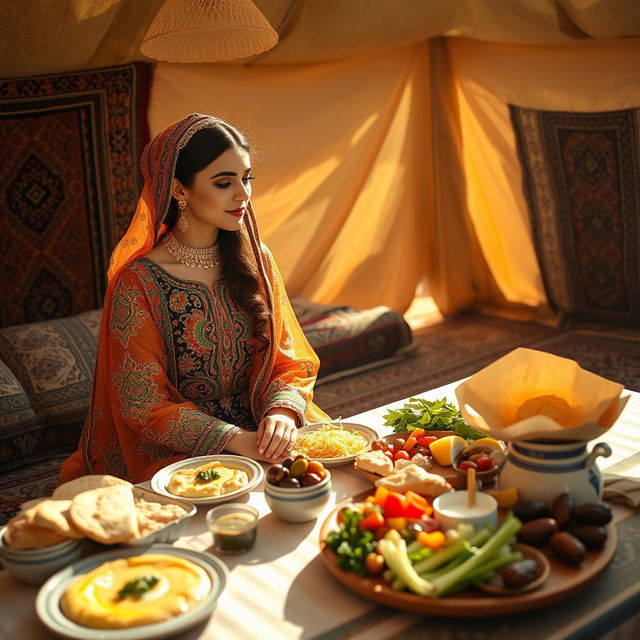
x=219, y=194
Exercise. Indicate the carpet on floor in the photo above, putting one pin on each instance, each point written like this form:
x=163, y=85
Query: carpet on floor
x=445, y=352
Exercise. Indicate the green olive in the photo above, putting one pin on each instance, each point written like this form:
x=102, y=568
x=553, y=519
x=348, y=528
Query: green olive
x=299, y=467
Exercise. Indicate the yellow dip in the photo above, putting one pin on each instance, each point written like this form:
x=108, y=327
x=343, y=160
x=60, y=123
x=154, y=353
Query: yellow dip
x=190, y=483
x=93, y=600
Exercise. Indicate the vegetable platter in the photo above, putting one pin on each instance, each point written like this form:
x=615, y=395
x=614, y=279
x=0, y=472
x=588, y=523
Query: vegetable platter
x=563, y=582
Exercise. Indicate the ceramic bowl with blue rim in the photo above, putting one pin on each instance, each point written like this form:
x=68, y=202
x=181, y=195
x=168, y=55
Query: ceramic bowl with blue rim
x=298, y=504
x=50, y=594
x=34, y=566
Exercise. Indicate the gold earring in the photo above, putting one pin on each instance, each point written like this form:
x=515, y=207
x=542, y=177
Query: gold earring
x=183, y=223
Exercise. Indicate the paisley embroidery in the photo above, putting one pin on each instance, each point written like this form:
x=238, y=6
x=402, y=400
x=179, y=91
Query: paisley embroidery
x=114, y=462
x=208, y=339
x=137, y=390
x=128, y=312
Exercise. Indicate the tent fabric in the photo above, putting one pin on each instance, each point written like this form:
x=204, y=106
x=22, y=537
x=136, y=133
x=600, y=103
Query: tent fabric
x=589, y=76
x=342, y=165
x=95, y=33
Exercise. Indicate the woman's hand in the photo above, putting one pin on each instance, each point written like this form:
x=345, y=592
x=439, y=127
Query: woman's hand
x=277, y=433
x=244, y=444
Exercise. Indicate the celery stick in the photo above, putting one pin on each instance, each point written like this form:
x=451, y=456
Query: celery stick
x=414, y=546
x=506, y=531
x=480, y=537
x=484, y=576
x=395, y=555
x=441, y=556
x=430, y=575
x=496, y=563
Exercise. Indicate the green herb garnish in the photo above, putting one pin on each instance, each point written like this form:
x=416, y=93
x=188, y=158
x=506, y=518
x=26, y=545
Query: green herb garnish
x=351, y=544
x=137, y=587
x=207, y=475
x=438, y=415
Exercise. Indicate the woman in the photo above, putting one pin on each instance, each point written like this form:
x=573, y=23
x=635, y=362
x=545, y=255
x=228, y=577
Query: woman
x=199, y=346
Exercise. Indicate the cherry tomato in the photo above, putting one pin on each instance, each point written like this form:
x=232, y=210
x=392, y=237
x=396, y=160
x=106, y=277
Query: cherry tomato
x=484, y=464
x=389, y=455
x=425, y=441
x=476, y=456
x=401, y=455
x=391, y=447
x=467, y=464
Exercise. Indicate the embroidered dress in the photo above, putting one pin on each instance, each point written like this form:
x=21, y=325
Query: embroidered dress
x=178, y=372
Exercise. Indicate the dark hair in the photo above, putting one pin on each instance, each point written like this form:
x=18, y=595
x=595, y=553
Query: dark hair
x=238, y=266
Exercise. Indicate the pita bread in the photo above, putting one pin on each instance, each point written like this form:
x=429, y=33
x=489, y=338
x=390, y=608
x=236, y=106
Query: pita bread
x=106, y=515
x=374, y=462
x=54, y=515
x=20, y=535
x=416, y=479
x=69, y=490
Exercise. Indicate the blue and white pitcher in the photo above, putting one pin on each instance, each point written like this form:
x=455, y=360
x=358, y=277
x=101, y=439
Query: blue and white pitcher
x=543, y=470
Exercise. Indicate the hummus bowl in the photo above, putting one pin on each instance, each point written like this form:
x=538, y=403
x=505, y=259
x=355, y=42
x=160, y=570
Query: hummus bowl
x=254, y=471
x=50, y=595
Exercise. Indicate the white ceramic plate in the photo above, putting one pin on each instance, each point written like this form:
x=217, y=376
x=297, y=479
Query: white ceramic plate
x=369, y=434
x=253, y=469
x=48, y=600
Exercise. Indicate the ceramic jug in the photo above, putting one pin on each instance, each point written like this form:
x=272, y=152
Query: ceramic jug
x=543, y=470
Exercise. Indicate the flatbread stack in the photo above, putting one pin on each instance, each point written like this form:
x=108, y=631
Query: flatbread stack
x=99, y=507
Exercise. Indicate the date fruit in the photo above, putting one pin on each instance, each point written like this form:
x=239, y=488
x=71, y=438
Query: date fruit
x=567, y=548
x=526, y=511
x=592, y=514
x=562, y=510
x=519, y=573
x=592, y=536
x=537, y=532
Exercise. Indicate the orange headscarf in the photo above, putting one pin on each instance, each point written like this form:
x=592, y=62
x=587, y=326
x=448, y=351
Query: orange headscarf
x=288, y=363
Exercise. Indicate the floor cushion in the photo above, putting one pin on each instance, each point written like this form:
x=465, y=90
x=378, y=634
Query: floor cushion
x=54, y=361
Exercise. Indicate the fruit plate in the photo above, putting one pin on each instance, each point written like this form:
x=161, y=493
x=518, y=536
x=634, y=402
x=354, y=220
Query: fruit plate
x=446, y=472
x=50, y=613
x=563, y=583
x=253, y=469
x=368, y=433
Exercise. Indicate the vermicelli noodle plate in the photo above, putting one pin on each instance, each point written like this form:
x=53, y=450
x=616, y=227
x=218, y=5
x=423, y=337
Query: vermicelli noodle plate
x=334, y=444
x=331, y=442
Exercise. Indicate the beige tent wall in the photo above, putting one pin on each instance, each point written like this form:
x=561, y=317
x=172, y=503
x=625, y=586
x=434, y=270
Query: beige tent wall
x=342, y=164
x=384, y=152
x=586, y=76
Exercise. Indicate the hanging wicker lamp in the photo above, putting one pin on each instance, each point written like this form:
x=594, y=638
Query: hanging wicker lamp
x=207, y=31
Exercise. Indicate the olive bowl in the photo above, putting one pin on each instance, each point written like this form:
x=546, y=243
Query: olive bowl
x=298, y=504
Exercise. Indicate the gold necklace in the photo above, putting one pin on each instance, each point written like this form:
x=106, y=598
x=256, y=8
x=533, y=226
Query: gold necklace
x=192, y=257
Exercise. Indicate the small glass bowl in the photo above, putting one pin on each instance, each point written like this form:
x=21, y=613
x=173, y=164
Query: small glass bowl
x=234, y=527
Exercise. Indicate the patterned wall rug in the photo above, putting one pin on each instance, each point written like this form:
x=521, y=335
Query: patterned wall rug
x=581, y=174
x=69, y=183
x=445, y=352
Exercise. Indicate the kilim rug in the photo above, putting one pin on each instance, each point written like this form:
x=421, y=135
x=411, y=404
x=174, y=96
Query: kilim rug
x=445, y=352
x=581, y=174
x=69, y=184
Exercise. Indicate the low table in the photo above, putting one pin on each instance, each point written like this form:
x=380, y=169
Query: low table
x=281, y=589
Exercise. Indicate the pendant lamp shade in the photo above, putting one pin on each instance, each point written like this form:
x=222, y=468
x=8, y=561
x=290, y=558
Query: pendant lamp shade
x=207, y=31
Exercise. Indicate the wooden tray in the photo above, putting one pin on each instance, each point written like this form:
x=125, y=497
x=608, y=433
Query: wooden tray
x=564, y=582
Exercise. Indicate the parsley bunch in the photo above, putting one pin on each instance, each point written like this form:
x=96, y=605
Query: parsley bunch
x=207, y=475
x=437, y=415
x=137, y=587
